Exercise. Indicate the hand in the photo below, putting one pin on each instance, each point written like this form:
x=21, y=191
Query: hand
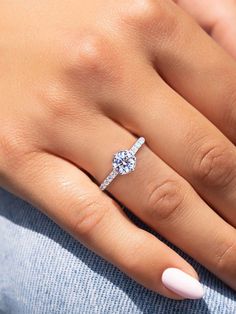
x=79, y=81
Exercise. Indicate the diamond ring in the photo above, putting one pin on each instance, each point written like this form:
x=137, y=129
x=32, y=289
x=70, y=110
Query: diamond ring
x=123, y=162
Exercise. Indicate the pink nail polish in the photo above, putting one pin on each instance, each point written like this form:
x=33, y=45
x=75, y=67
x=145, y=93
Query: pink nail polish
x=182, y=283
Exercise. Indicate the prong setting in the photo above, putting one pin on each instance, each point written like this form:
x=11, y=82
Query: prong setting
x=123, y=163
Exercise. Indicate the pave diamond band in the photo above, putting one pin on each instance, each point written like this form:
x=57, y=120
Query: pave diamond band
x=123, y=163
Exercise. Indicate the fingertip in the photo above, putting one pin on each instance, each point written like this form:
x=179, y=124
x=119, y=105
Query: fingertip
x=182, y=283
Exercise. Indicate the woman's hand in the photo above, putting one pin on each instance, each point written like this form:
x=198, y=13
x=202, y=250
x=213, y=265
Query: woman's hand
x=79, y=81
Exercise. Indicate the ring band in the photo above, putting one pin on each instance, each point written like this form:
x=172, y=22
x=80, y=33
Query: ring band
x=123, y=163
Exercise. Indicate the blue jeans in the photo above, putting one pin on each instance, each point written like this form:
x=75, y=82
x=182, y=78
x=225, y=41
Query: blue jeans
x=44, y=270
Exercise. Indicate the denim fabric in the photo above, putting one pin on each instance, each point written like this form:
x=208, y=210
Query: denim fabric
x=44, y=270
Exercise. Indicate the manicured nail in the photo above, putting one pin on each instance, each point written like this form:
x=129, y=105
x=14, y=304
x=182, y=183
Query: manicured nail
x=182, y=283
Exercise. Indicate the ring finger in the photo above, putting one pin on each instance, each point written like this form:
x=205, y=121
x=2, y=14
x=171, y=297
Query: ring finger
x=182, y=137
x=159, y=196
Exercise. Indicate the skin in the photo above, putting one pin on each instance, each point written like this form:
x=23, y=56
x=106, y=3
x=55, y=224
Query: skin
x=79, y=81
x=217, y=17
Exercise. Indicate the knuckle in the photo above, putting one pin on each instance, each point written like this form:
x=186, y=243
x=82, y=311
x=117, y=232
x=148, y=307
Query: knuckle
x=89, y=213
x=92, y=56
x=145, y=9
x=149, y=15
x=90, y=52
x=226, y=260
x=165, y=200
x=214, y=165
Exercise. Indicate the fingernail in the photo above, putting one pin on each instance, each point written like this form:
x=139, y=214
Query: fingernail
x=182, y=283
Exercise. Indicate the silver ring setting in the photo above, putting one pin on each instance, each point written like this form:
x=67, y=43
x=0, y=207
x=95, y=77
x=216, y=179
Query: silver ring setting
x=123, y=163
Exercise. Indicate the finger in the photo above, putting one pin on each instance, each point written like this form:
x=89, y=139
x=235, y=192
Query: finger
x=192, y=63
x=180, y=135
x=71, y=199
x=217, y=18
x=161, y=198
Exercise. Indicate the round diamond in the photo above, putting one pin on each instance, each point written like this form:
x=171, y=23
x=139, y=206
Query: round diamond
x=124, y=162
